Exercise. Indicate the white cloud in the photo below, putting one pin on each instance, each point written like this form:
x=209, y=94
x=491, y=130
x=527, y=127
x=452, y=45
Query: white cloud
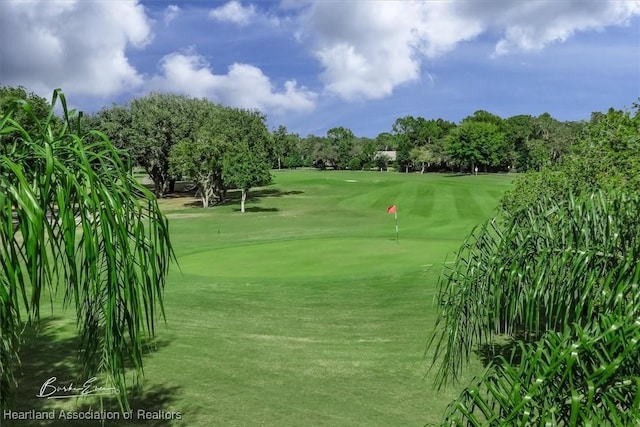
x=170, y=13
x=544, y=22
x=234, y=12
x=76, y=45
x=243, y=86
x=369, y=48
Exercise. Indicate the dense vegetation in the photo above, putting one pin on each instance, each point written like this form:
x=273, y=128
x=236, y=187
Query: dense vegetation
x=55, y=179
x=557, y=273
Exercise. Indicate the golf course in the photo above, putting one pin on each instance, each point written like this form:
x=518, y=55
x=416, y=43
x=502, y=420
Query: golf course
x=305, y=310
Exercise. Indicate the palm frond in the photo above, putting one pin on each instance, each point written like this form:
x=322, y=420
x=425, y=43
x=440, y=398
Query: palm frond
x=582, y=376
x=562, y=278
x=72, y=216
x=547, y=267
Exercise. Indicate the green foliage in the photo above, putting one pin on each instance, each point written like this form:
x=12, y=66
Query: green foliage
x=73, y=220
x=355, y=164
x=382, y=162
x=158, y=122
x=557, y=137
x=364, y=150
x=475, y=143
x=323, y=153
x=518, y=132
x=423, y=156
x=36, y=108
x=116, y=123
x=285, y=148
x=214, y=156
x=200, y=160
x=293, y=161
x=244, y=168
x=582, y=376
x=342, y=141
x=606, y=157
x=385, y=142
x=405, y=132
x=570, y=267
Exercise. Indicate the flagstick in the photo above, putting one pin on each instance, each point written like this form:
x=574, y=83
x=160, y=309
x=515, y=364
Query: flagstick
x=397, y=235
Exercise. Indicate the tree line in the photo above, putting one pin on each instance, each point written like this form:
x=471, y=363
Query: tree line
x=175, y=136
x=151, y=125
x=519, y=143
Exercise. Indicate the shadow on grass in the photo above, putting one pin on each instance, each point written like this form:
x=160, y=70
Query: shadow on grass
x=45, y=355
x=186, y=189
x=257, y=209
x=255, y=196
x=494, y=353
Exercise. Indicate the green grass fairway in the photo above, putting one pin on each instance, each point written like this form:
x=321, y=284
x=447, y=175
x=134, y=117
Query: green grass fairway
x=305, y=310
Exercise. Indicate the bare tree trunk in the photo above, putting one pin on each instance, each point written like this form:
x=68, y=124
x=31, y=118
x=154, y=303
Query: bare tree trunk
x=422, y=171
x=244, y=197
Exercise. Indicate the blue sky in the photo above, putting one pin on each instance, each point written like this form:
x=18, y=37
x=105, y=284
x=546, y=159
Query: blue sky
x=312, y=66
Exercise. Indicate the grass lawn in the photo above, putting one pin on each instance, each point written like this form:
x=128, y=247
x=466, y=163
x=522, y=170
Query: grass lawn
x=303, y=311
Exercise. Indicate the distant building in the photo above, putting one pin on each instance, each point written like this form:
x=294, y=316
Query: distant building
x=391, y=155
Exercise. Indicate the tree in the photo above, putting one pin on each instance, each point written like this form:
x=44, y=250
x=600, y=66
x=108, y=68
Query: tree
x=159, y=121
x=285, y=147
x=40, y=108
x=116, y=123
x=484, y=117
x=342, y=142
x=604, y=158
x=422, y=155
x=364, y=150
x=200, y=160
x=558, y=137
x=519, y=133
x=323, y=152
x=403, y=153
x=382, y=162
x=411, y=133
x=385, y=141
x=74, y=221
x=244, y=168
x=405, y=135
x=476, y=143
x=223, y=136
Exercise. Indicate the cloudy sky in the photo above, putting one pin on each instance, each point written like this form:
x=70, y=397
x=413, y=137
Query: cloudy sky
x=314, y=65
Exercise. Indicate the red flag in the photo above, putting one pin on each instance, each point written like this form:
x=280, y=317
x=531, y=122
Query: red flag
x=391, y=209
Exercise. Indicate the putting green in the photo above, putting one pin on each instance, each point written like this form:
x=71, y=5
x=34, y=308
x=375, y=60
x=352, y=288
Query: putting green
x=318, y=258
